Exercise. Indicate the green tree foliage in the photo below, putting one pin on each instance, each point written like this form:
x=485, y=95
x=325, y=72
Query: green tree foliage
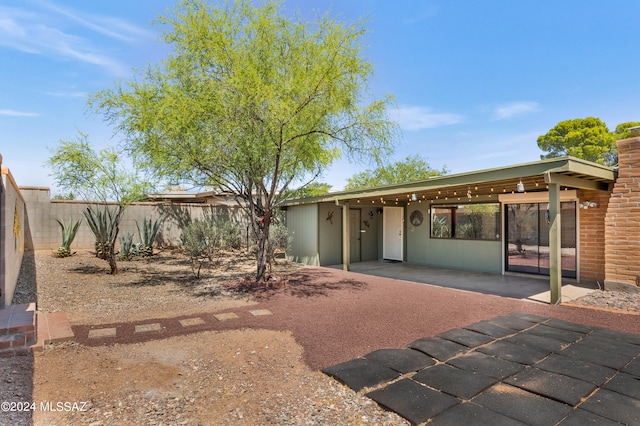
x=313, y=189
x=412, y=168
x=622, y=129
x=586, y=138
x=97, y=176
x=251, y=102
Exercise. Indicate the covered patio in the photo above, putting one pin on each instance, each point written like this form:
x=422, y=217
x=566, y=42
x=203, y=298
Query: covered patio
x=397, y=222
x=517, y=286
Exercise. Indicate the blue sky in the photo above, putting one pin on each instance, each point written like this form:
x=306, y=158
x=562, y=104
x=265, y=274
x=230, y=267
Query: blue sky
x=475, y=82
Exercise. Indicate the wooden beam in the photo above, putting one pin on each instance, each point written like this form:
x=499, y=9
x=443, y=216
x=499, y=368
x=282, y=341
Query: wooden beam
x=573, y=182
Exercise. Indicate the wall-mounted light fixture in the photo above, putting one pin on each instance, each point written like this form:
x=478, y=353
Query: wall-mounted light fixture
x=414, y=197
x=587, y=204
x=520, y=186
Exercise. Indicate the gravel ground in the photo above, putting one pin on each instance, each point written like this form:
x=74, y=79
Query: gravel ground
x=262, y=373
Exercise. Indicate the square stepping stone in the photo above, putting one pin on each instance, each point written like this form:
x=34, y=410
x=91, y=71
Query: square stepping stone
x=605, y=344
x=567, y=336
x=188, y=322
x=596, y=356
x=486, y=364
x=581, y=417
x=493, y=330
x=566, y=325
x=553, y=385
x=401, y=360
x=617, y=335
x=523, y=406
x=533, y=341
x=576, y=368
x=514, y=353
x=469, y=413
x=361, y=373
x=461, y=383
x=633, y=367
x=468, y=338
x=102, y=333
x=413, y=401
x=437, y=348
x=147, y=328
x=625, y=384
x=260, y=312
x=226, y=316
x=614, y=406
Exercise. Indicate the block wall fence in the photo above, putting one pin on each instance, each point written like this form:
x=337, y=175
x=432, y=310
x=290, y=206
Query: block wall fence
x=12, y=234
x=45, y=233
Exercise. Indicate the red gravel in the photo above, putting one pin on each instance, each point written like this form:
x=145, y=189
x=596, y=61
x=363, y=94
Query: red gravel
x=337, y=315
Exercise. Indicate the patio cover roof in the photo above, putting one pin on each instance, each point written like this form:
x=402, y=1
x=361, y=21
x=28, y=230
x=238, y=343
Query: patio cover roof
x=481, y=185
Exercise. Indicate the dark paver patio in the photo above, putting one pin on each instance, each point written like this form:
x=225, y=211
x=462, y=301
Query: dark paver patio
x=513, y=369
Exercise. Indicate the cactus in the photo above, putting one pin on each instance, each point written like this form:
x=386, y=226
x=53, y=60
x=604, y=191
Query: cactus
x=147, y=235
x=103, y=224
x=69, y=232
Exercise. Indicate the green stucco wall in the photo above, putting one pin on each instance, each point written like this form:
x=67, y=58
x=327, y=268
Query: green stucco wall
x=302, y=225
x=471, y=255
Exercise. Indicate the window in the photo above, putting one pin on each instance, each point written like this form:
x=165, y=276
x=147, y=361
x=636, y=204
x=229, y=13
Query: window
x=466, y=221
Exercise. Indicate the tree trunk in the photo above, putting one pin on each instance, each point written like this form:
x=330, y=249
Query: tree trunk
x=262, y=256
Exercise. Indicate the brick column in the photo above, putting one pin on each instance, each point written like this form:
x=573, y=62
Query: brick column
x=592, y=242
x=622, y=221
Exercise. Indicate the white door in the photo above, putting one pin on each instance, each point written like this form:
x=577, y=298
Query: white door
x=392, y=239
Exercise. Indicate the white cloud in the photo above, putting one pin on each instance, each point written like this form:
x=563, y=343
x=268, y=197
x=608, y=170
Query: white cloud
x=418, y=118
x=63, y=35
x=14, y=113
x=76, y=94
x=503, y=112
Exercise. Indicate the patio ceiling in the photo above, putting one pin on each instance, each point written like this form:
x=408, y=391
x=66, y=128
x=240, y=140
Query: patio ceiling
x=483, y=185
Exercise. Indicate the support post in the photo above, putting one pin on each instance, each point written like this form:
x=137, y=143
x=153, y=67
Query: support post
x=555, y=244
x=346, y=234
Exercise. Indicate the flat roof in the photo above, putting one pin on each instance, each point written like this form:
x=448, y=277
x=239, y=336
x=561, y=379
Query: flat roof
x=569, y=172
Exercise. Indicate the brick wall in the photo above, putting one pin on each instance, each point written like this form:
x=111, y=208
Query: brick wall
x=622, y=221
x=592, y=239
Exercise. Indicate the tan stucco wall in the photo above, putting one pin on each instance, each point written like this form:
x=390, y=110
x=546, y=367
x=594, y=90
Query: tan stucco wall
x=12, y=235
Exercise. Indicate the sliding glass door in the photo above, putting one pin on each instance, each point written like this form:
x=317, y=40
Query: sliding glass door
x=527, y=229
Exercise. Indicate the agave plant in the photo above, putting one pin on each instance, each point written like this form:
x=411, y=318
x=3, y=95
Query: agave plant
x=104, y=225
x=147, y=234
x=128, y=249
x=69, y=231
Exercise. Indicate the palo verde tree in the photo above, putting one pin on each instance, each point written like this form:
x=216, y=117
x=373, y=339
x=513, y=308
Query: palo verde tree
x=98, y=177
x=250, y=101
x=412, y=168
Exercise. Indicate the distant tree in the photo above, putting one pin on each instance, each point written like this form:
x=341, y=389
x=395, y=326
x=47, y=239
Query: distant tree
x=251, y=101
x=412, y=168
x=313, y=189
x=98, y=177
x=622, y=129
x=586, y=138
x=68, y=196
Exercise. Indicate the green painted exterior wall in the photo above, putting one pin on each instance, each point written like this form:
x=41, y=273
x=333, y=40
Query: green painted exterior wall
x=471, y=255
x=329, y=223
x=302, y=223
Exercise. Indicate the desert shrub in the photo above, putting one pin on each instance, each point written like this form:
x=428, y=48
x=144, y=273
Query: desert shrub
x=103, y=222
x=279, y=239
x=230, y=234
x=200, y=241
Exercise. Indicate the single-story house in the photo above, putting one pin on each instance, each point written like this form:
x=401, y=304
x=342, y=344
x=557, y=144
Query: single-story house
x=561, y=217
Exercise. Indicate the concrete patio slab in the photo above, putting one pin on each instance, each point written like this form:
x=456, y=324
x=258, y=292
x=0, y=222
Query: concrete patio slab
x=401, y=360
x=101, y=333
x=512, y=380
x=456, y=382
x=413, y=401
x=361, y=373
